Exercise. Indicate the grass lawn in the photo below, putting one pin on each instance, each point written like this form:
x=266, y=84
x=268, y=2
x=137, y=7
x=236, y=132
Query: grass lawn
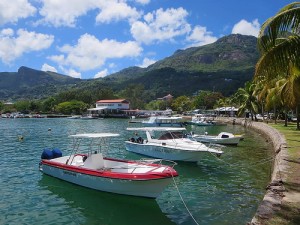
x=289, y=213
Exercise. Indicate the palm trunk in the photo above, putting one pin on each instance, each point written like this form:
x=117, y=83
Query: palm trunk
x=298, y=117
x=285, y=119
x=275, y=121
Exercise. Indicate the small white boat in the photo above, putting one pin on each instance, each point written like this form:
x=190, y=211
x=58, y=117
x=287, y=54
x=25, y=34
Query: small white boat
x=164, y=121
x=74, y=117
x=200, y=120
x=223, y=138
x=90, y=169
x=171, y=144
x=88, y=117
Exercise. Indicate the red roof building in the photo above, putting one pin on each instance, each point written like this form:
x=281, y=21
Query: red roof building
x=119, y=104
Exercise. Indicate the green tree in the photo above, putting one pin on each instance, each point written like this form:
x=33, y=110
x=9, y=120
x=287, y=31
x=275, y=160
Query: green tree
x=156, y=105
x=134, y=93
x=181, y=104
x=273, y=98
x=206, y=99
x=48, y=104
x=279, y=44
x=22, y=106
x=247, y=99
x=75, y=107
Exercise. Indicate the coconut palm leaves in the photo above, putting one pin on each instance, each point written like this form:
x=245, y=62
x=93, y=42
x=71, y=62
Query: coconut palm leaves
x=247, y=98
x=279, y=44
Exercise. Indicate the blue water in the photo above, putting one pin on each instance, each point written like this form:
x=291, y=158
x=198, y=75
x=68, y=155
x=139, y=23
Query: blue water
x=225, y=191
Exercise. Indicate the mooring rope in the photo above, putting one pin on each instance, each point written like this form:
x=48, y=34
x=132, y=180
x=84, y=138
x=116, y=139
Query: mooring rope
x=183, y=200
x=266, y=160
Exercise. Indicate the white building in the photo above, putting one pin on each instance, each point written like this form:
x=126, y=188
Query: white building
x=109, y=107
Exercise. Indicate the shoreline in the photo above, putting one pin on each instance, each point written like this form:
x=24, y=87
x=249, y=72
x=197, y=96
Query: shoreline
x=276, y=193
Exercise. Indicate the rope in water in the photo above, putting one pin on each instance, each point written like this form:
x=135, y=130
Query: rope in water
x=267, y=160
x=175, y=184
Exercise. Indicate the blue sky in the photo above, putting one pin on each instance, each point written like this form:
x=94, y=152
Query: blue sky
x=94, y=38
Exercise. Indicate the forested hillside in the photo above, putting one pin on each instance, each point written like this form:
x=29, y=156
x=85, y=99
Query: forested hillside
x=223, y=66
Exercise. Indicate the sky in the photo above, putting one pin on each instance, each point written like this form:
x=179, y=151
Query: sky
x=89, y=39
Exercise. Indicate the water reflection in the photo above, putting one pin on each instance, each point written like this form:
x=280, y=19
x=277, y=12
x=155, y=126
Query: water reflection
x=94, y=207
x=225, y=191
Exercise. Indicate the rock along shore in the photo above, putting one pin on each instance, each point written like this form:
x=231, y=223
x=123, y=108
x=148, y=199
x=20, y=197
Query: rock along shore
x=275, y=190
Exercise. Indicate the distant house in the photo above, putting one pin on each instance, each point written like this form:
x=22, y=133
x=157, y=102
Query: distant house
x=112, y=107
x=226, y=111
x=166, y=98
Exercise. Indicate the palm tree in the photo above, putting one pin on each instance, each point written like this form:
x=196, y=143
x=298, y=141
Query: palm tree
x=247, y=99
x=279, y=44
x=274, y=98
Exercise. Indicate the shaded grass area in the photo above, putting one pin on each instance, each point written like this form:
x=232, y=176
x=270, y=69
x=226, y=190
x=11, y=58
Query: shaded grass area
x=289, y=214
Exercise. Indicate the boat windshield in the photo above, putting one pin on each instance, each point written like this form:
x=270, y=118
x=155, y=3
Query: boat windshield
x=172, y=135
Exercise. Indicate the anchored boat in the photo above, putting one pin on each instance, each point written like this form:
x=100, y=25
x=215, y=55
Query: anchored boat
x=171, y=143
x=87, y=167
x=223, y=138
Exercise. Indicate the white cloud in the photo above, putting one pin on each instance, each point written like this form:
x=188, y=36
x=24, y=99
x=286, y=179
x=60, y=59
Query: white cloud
x=200, y=36
x=72, y=73
x=12, y=47
x=7, y=32
x=90, y=53
x=116, y=11
x=59, y=59
x=47, y=67
x=62, y=13
x=161, y=25
x=143, y=2
x=246, y=28
x=12, y=11
x=102, y=73
x=112, y=65
x=147, y=62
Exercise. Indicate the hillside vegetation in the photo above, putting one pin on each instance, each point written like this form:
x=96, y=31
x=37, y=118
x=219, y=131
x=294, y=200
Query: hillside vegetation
x=223, y=66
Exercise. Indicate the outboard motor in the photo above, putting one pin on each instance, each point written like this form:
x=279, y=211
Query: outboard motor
x=47, y=154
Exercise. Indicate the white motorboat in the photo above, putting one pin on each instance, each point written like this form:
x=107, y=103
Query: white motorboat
x=88, y=117
x=88, y=168
x=164, y=121
x=172, y=144
x=223, y=138
x=74, y=117
x=200, y=120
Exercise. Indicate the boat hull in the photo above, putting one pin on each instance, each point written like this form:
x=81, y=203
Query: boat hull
x=201, y=124
x=222, y=141
x=143, y=188
x=162, y=152
x=163, y=124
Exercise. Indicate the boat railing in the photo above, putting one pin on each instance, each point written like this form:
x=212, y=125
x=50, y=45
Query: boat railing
x=215, y=146
x=146, y=161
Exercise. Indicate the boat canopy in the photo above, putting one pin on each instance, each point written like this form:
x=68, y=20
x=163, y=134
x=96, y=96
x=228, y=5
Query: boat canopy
x=98, y=108
x=156, y=128
x=94, y=135
x=169, y=118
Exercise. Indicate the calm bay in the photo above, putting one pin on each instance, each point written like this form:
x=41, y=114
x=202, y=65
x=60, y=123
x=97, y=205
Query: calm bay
x=216, y=191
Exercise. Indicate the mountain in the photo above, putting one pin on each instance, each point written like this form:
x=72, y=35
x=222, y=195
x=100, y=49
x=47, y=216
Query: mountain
x=30, y=83
x=231, y=53
x=222, y=66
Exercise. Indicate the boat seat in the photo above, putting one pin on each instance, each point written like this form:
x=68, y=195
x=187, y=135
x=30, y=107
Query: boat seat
x=94, y=161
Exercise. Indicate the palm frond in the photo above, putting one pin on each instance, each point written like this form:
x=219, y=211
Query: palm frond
x=277, y=61
x=287, y=20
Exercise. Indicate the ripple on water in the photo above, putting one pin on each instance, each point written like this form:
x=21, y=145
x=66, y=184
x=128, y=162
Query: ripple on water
x=225, y=191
